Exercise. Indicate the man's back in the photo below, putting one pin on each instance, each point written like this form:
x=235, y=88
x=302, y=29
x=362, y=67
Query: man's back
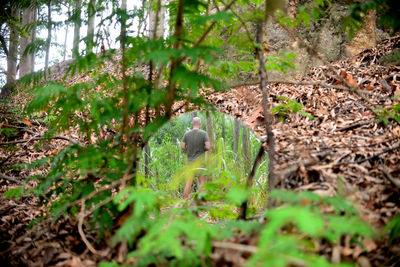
x=195, y=142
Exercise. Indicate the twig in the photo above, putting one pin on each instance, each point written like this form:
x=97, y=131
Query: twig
x=245, y=27
x=253, y=249
x=390, y=177
x=354, y=126
x=385, y=84
x=340, y=147
x=313, y=83
x=369, y=158
x=288, y=170
x=250, y=178
x=41, y=138
x=7, y=158
x=208, y=30
x=235, y=246
x=12, y=179
x=81, y=217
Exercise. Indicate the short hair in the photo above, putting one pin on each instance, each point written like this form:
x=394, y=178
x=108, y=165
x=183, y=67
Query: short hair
x=196, y=121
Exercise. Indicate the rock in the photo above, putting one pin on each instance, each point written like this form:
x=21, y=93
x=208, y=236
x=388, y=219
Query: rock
x=365, y=38
x=391, y=59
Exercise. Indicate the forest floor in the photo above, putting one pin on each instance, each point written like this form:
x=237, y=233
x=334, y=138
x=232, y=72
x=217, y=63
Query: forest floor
x=343, y=141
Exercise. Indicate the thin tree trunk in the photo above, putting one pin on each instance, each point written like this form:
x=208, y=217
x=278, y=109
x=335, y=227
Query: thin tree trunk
x=124, y=127
x=48, y=42
x=246, y=149
x=170, y=97
x=156, y=20
x=13, y=50
x=147, y=159
x=236, y=136
x=66, y=34
x=26, y=61
x=91, y=23
x=267, y=115
x=33, y=38
x=77, y=28
x=210, y=129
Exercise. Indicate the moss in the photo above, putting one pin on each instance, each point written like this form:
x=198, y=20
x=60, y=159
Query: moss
x=391, y=59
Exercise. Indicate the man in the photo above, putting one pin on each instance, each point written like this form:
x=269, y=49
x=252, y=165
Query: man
x=195, y=142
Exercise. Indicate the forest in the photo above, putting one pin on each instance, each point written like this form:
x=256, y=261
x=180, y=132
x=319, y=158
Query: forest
x=295, y=109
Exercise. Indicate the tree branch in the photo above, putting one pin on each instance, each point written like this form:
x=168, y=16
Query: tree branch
x=249, y=184
x=313, y=83
x=81, y=217
x=369, y=158
x=394, y=181
x=40, y=137
x=12, y=179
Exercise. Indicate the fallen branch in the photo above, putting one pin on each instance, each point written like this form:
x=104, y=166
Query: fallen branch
x=249, y=184
x=235, y=246
x=369, y=158
x=7, y=158
x=253, y=249
x=314, y=83
x=288, y=170
x=394, y=181
x=12, y=179
x=40, y=137
x=81, y=217
x=354, y=126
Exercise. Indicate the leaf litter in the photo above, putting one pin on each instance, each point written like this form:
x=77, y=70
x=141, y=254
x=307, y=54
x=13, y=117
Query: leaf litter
x=343, y=143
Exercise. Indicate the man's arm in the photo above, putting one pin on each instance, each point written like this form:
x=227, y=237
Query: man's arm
x=183, y=146
x=207, y=146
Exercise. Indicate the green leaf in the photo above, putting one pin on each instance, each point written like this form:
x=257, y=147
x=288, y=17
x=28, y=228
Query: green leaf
x=16, y=192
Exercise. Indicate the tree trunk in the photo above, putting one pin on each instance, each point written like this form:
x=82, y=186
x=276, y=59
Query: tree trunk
x=66, y=34
x=26, y=61
x=156, y=20
x=210, y=129
x=33, y=38
x=91, y=22
x=147, y=160
x=236, y=135
x=246, y=149
x=13, y=50
x=48, y=42
x=77, y=28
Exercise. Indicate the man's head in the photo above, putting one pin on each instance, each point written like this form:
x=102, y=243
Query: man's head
x=196, y=123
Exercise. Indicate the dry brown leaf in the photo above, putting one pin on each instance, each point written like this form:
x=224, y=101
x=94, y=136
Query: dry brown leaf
x=396, y=131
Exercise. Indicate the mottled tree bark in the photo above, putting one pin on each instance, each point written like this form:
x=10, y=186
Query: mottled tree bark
x=27, y=60
x=246, y=149
x=147, y=159
x=91, y=24
x=210, y=129
x=48, y=41
x=66, y=34
x=13, y=50
x=77, y=28
x=236, y=136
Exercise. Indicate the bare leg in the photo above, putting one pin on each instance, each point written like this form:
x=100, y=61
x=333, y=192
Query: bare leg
x=202, y=181
x=188, y=189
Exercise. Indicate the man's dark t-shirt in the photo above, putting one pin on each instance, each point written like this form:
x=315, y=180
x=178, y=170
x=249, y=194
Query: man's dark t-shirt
x=195, y=143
